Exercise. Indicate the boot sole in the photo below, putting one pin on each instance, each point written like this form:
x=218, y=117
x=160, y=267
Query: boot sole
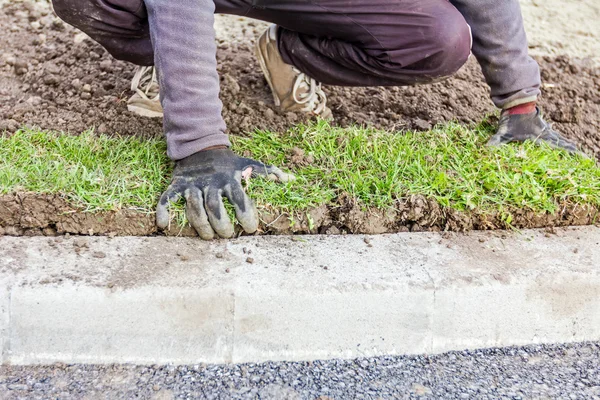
x=144, y=112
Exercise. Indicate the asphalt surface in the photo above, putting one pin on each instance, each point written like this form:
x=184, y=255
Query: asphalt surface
x=533, y=372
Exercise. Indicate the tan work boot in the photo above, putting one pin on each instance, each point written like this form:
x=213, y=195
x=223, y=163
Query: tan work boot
x=292, y=90
x=146, y=99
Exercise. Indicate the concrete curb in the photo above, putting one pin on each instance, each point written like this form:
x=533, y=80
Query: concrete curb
x=175, y=300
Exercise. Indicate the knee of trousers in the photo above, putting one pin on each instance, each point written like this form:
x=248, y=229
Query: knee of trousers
x=67, y=10
x=449, y=42
x=78, y=14
x=128, y=43
x=442, y=47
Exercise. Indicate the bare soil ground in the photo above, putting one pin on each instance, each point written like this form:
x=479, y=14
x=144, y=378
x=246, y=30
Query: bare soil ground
x=53, y=77
x=558, y=27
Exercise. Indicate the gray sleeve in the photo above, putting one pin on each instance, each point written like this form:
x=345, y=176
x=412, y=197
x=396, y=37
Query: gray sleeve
x=184, y=45
x=500, y=46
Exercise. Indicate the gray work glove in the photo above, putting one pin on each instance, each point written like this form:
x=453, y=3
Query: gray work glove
x=203, y=179
x=522, y=127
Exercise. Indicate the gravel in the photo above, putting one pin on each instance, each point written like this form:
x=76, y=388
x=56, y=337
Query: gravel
x=541, y=371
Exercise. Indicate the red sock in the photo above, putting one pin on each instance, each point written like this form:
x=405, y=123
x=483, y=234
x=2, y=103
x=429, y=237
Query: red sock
x=525, y=108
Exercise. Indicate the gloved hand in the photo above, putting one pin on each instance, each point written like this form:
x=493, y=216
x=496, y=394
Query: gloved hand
x=203, y=179
x=521, y=127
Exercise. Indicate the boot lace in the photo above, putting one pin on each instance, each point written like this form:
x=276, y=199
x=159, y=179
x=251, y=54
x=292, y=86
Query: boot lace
x=308, y=91
x=145, y=83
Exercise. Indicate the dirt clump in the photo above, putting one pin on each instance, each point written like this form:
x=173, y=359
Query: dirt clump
x=297, y=158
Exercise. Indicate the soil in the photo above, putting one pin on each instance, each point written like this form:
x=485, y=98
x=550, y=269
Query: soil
x=31, y=214
x=34, y=214
x=53, y=76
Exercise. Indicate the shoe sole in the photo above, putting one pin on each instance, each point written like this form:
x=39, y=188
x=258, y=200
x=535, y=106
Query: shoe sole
x=144, y=112
x=263, y=66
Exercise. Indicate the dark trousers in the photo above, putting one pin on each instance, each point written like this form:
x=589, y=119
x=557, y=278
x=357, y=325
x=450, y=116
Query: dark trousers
x=337, y=42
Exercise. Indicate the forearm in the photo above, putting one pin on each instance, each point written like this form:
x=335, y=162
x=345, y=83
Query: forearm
x=500, y=46
x=183, y=39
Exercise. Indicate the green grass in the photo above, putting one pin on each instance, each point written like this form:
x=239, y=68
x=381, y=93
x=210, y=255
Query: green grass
x=449, y=163
x=93, y=172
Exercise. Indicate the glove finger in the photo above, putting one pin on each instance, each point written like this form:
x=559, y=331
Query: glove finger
x=162, y=209
x=217, y=215
x=196, y=214
x=269, y=171
x=275, y=174
x=245, y=210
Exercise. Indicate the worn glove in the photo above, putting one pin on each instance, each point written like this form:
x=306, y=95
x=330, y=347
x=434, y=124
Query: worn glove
x=203, y=179
x=531, y=126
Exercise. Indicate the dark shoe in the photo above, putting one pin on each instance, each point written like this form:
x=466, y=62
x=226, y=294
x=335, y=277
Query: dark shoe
x=522, y=127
